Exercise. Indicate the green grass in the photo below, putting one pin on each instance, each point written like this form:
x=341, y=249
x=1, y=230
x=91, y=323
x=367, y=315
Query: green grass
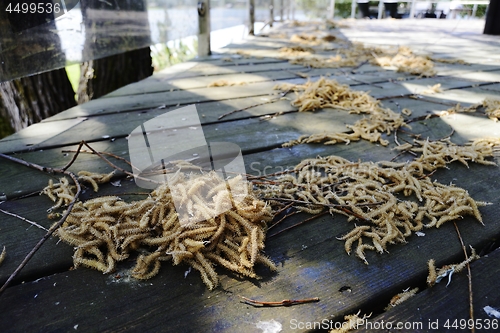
x=73, y=72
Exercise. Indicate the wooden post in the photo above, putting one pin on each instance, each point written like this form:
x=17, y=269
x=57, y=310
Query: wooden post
x=282, y=5
x=331, y=11
x=271, y=12
x=412, y=10
x=204, y=28
x=251, y=17
x=353, y=9
x=492, y=25
x=380, y=9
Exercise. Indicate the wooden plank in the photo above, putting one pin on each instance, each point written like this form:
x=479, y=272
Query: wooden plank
x=410, y=87
x=19, y=236
x=277, y=160
x=428, y=36
x=36, y=134
x=440, y=307
x=472, y=95
x=256, y=164
x=158, y=84
x=151, y=86
x=24, y=181
x=95, y=128
x=251, y=66
x=162, y=99
x=203, y=70
x=312, y=264
x=271, y=133
x=117, y=104
x=480, y=72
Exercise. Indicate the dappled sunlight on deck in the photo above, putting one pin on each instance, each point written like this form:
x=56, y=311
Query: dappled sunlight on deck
x=236, y=102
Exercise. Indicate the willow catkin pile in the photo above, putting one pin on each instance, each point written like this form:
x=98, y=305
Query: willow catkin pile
x=347, y=54
x=406, y=61
x=389, y=201
x=63, y=193
x=224, y=83
x=354, y=54
x=312, y=39
x=106, y=230
x=492, y=108
x=295, y=51
x=433, y=89
x=437, y=154
x=326, y=93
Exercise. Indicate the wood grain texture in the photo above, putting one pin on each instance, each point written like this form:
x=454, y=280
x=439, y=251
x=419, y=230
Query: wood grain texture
x=440, y=307
x=311, y=260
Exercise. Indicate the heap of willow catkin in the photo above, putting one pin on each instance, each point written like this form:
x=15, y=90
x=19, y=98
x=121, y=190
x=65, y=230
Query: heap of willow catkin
x=387, y=201
x=325, y=93
x=107, y=230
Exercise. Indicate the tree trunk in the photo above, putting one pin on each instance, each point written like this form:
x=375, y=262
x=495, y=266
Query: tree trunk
x=492, y=25
x=30, y=99
x=102, y=76
x=131, y=61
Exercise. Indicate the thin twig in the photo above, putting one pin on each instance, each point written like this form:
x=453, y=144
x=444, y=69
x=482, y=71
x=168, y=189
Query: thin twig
x=285, y=302
x=397, y=142
x=299, y=74
x=102, y=153
x=396, y=137
x=24, y=219
x=282, y=219
x=73, y=159
x=421, y=98
x=427, y=175
x=471, y=307
x=284, y=208
x=344, y=208
x=248, y=107
x=397, y=155
x=273, y=116
x=54, y=226
x=322, y=204
x=297, y=224
x=114, y=165
x=3, y=255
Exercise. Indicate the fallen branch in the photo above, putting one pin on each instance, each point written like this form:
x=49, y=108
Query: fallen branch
x=24, y=219
x=297, y=224
x=58, y=223
x=322, y=204
x=471, y=307
x=285, y=302
x=248, y=107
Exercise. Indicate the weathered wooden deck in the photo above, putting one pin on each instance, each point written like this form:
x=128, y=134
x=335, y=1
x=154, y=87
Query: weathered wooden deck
x=49, y=296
